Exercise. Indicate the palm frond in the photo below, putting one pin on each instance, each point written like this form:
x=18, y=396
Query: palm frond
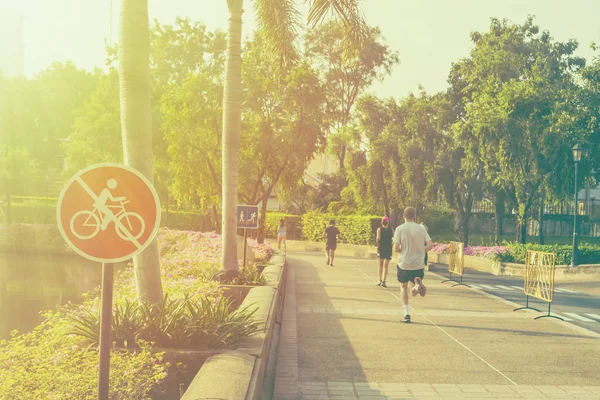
x=278, y=22
x=347, y=11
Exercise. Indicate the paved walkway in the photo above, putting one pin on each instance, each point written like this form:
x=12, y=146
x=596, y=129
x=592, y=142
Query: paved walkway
x=341, y=339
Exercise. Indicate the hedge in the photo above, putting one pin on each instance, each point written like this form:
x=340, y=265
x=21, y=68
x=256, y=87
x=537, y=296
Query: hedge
x=187, y=221
x=23, y=213
x=30, y=213
x=588, y=253
x=354, y=229
x=32, y=238
x=437, y=220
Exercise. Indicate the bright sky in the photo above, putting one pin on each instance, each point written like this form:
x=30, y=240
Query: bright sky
x=428, y=34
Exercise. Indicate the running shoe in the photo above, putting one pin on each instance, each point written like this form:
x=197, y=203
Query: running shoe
x=422, y=290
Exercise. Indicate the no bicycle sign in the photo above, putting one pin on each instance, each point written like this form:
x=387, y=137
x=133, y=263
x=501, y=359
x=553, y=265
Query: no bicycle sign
x=108, y=213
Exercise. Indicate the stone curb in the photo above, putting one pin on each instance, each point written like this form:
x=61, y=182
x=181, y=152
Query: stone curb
x=240, y=374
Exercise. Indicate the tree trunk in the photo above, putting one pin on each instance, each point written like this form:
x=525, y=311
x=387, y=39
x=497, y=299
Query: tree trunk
x=541, y=220
x=499, y=216
x=396, y=218
x=136, y=126
x=342, y=157
x=521, y=229
x=232, y=114
x=464, y=227
x=260, y=233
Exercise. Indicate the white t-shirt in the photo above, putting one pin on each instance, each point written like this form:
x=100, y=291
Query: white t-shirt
x=412, y=238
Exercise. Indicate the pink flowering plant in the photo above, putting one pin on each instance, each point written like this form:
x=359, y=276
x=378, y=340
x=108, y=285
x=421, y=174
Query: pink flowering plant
x=492, y=252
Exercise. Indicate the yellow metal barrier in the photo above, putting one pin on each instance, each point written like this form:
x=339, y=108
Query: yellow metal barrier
x=456, y=262
x=539, y=280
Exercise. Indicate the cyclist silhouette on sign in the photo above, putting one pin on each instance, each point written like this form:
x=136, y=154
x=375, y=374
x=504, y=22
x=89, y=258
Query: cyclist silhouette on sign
x=100, y=203
x=86, y=224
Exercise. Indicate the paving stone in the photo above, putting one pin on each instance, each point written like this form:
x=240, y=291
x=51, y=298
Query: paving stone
x=334, y=384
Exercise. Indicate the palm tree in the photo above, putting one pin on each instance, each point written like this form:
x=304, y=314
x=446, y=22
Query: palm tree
x=136, y=125
x=279, y=22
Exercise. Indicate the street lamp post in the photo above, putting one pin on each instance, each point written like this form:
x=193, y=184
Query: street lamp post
x=577, y=152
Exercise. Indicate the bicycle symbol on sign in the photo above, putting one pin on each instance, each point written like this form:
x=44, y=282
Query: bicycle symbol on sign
x=129, y=225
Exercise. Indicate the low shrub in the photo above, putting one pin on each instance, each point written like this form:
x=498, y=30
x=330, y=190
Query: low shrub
x=354, y=229
x=184, y=323
x=48, y=363
x=588, y=253
x=492, y=252
x=516, y=252
x=249, y=275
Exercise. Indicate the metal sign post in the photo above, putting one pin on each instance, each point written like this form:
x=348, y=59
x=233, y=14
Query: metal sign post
x=247, y=218
x=108, y=213
x=105, y=330
x=245, y=244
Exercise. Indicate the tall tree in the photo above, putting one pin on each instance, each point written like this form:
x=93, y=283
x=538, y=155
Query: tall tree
x=136, y=126
x=278, y=20
x=348, y=73
x=523, y=91
x=396, y=163
x=283, y=119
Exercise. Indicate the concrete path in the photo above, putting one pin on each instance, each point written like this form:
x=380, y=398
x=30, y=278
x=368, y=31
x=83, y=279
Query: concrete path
x=570, y=304
x=342, y=339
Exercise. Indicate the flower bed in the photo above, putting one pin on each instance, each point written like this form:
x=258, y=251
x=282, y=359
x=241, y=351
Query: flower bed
x=491, y=252
x=515, y=252
x=52, y=362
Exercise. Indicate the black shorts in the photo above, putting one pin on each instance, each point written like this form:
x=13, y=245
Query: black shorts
x=331, y=246
x=405, y=275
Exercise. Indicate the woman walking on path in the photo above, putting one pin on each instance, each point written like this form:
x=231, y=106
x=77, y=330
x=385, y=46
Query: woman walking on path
x=384, y=249
x=281, y=235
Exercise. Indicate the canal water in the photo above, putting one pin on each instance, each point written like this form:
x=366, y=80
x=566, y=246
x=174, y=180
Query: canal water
x=30, y=283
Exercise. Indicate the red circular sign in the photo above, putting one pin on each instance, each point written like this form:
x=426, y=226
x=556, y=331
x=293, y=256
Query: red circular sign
x=108, y=212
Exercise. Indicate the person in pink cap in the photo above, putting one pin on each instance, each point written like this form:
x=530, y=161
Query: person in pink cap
x=384, y=249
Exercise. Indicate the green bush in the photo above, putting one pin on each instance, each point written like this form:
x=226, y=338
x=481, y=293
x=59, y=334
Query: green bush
x=293, y=225
x=588, y=253
x=29, y=238
x=27, y=213
x=438, y=220
x=354, y=229
x=48, y=363
x=181, y=323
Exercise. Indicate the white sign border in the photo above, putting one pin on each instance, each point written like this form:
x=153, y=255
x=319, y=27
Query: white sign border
x=107, y=260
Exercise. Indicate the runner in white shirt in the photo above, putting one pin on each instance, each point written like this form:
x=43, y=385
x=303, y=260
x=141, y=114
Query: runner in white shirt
x=412, y=241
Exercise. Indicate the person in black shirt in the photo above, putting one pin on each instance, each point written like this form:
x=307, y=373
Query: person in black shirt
x=384, y=249
x=330, y=235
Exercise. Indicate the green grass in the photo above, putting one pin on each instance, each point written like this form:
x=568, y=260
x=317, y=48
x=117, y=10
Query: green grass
x=486, y=239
